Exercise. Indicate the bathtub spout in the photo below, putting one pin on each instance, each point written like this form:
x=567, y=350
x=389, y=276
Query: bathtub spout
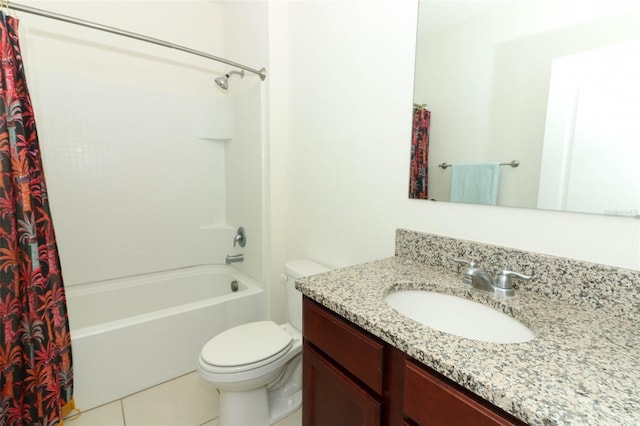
x=234, y=258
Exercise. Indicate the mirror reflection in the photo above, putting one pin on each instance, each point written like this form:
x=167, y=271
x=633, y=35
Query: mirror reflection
x=553, y=85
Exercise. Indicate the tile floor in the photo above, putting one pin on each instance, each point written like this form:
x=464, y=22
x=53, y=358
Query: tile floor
x=185, y=401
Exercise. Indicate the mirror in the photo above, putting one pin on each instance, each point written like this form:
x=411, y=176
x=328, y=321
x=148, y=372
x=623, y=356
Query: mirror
x=552, y=84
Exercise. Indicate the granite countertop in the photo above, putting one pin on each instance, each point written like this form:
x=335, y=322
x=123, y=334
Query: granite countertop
x=583, y=367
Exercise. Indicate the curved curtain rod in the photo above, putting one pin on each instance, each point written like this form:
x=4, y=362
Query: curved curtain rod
x=262, y=73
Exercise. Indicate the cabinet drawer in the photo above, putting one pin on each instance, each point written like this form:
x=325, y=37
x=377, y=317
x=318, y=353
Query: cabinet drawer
x=358, y=353
x=429, y=400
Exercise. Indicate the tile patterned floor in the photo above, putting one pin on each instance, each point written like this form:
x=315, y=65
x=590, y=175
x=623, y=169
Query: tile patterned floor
x=185, y=401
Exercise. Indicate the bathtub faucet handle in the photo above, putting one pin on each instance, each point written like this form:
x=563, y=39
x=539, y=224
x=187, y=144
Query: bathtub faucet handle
x=240, y=238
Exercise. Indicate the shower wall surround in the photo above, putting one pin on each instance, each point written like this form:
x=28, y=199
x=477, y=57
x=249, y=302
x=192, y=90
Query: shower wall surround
x=599, y=286
x=138, y=142
x=130, y=183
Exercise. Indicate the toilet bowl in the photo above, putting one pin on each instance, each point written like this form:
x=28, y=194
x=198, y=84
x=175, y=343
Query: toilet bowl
x=257, y=367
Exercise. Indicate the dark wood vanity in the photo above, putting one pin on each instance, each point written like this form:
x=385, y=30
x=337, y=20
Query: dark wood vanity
x=353, y=378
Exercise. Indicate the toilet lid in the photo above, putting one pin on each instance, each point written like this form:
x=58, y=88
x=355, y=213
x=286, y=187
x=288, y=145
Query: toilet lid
x=246, y=344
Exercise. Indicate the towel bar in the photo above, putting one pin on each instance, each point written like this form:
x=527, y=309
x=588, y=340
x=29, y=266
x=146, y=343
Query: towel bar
x=514, y=163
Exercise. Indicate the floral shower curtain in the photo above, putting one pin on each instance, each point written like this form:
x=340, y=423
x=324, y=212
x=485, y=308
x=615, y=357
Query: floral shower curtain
x=35, y=344
x=418, y=177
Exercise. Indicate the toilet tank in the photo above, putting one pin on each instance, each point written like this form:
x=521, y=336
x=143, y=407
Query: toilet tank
x=297, y=269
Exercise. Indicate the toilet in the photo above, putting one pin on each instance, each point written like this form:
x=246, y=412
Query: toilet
x=257, y=367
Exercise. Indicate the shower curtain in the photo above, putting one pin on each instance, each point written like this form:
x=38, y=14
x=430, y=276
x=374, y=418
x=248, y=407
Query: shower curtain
x=35, y=345
x=418, y=175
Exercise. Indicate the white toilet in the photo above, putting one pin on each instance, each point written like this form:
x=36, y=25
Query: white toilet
x=257, y=367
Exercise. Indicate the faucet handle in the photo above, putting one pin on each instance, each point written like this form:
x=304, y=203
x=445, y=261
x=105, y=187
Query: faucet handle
x=240, y=238
x=504, y=281
x=471, y=266
x=469, y=263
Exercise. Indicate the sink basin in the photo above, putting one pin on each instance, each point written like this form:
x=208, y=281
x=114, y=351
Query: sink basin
x=462, y=317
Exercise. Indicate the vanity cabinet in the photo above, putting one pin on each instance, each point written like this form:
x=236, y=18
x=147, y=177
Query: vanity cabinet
x=353, y=378
x=342, y=371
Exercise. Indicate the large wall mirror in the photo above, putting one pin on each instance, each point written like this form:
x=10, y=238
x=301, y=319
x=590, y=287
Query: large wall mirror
x=553, y=84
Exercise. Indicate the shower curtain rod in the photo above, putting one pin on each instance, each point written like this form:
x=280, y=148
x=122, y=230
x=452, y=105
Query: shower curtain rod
x=262, y=73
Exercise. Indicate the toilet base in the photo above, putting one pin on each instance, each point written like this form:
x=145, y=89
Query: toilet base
x=284, y=406
x=256, y=407
x=287, y=398
x=250, y=408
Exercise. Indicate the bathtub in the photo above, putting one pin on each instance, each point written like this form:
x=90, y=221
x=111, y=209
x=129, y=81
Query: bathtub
x=132, y=333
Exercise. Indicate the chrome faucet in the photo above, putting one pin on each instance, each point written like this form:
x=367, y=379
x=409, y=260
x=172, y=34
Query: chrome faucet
x=240, y=238
x=234, y=258
x=480, y=279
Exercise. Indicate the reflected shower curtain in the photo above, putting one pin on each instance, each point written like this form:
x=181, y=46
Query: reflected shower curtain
x=35, y=344
x=418, y=177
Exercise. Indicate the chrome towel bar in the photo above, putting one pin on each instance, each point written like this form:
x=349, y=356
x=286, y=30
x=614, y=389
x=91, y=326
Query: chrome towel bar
x=514, y=163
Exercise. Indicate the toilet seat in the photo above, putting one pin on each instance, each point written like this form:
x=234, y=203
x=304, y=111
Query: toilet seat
x=245, y=347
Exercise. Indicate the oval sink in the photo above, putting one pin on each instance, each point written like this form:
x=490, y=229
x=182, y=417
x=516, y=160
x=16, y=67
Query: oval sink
x=462, y=317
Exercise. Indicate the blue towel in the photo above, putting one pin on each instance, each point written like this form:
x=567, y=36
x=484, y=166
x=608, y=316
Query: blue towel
x=475, y=183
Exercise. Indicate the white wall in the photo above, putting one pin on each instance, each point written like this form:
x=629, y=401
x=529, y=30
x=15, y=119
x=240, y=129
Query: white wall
x=349, y=67
x=276, y=253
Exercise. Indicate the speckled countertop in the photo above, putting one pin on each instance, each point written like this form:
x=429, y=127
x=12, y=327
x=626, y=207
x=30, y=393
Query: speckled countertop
x=583, y=367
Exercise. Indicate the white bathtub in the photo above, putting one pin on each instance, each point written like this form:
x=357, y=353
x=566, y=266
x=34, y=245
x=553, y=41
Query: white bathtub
x=133, y=333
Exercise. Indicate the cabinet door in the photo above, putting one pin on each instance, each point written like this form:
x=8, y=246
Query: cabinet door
x=331, y=398
x=429, y=400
